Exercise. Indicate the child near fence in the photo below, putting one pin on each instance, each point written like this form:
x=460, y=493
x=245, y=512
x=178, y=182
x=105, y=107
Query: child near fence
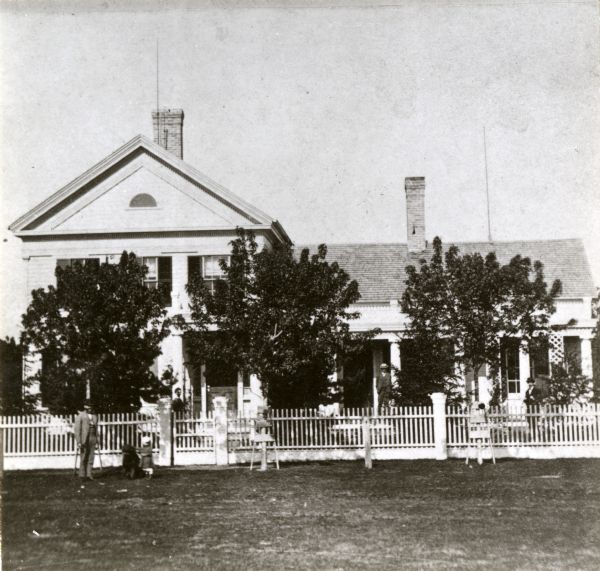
x=146, y=461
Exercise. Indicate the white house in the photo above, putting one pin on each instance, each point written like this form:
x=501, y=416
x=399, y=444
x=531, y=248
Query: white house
x=144, y=198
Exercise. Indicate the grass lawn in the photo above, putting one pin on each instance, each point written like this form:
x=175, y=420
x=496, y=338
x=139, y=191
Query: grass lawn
x=518, y=514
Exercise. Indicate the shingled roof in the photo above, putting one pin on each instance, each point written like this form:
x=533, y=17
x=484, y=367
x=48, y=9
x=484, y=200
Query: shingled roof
x=380, y=272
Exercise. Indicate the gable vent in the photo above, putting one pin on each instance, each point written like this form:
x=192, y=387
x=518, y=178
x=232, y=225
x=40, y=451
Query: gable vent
x=142, y=201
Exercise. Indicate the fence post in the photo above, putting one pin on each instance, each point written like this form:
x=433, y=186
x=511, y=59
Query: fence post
x=439, y=426
x=220, y=418
x=366, y=430
x=165, y=428
x=375, y=397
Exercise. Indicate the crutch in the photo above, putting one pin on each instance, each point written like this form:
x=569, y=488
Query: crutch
x=76, y=458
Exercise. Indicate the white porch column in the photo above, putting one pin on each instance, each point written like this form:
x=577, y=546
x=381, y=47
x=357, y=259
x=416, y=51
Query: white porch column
x=395, y=353
x=186, y=384
x=524, y=370
x=203, y=401
x=179, y=276
x=586, y=357
x=178, y=356
x=240, y=393
x=255, y=395
x=485, y=386
x=172, y=354
x=377, y=356
x=340, y=383
x=375, y=396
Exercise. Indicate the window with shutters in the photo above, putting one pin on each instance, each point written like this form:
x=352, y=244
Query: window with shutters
x=207, y=267
x=160, y=275
x=64, y=263
x=69, y=262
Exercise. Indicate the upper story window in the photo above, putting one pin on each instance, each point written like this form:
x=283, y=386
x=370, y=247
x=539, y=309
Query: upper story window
x=160, y=275
x=69, y=262
x=64, y=263
x=142, y=200
x=208, y=267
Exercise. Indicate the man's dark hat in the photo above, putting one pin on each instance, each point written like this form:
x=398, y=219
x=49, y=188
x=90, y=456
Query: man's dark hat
x=530, y=381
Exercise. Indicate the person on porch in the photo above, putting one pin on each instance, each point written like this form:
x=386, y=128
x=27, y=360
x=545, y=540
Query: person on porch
x=384, y=385
x=532, y=395
x=532, y=400
x=178, y=404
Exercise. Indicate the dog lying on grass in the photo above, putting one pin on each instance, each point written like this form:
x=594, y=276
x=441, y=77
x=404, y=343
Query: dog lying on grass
x=131, y=462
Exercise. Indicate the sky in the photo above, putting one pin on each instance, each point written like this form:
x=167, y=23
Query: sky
x=316, y=113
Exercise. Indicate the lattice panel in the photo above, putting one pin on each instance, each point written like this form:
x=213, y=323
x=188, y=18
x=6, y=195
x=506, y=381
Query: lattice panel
x=557, y=349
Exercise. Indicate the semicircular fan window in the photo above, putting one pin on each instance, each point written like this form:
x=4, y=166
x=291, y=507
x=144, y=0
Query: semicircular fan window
x=142, y=201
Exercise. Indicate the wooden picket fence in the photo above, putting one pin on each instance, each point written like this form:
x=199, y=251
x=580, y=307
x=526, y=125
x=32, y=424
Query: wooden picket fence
x=572, y=428
x=305, y=429
x=45, y=441
x=308, y=434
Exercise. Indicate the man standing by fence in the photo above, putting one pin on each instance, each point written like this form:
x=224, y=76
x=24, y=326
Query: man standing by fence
x=86, y=435
x=532, y=400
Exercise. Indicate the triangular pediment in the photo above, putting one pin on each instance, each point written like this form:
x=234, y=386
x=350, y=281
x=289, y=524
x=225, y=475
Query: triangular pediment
x=100, y=200
x=179, y=203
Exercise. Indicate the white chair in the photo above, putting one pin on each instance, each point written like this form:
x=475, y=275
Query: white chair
x=479, y=432
x=259, y=438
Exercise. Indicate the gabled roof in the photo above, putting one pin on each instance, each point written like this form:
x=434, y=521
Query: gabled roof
x=380, y=272
x=27, y=223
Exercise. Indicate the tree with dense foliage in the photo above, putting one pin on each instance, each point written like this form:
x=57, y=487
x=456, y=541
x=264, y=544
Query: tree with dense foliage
x=282, y=318
x=471, y=302
x=99, y=325
x=14, y=398
x=567, y=384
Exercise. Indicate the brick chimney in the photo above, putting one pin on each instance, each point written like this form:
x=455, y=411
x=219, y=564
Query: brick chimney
x=415, y=213
x=168, y=130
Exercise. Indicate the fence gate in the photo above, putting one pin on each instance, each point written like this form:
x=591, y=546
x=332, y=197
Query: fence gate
x=193, y=439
